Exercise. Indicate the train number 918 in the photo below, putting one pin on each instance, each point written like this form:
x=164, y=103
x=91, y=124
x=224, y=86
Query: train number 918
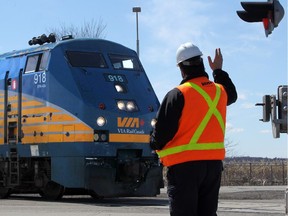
x=40, y=78
x=115, y=78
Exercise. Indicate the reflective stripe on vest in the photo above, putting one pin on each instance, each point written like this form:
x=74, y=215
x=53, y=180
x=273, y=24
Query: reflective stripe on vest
x=193, y=145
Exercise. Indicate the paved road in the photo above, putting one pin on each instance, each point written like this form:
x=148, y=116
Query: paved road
x=233, y=202
x=252, y=201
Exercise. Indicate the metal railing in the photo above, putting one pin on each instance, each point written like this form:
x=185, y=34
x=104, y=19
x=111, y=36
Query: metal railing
x=254, y=173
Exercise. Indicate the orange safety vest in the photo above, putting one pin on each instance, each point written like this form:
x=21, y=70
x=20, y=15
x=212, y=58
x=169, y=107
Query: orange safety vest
x=201, y=129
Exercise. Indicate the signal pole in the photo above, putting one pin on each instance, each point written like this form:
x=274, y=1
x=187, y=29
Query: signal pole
x=137, y=10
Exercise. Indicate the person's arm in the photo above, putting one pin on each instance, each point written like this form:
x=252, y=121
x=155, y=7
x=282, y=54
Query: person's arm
x=168, y=117
x=222, y=77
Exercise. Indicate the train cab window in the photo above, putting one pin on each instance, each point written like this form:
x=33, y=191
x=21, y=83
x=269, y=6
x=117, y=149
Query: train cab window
x=37, y=62
x=124, y=62
x=86, y=59
x=31, y=63
x=44, y=61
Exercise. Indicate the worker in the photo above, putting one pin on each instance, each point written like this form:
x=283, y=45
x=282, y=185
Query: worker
x=189, y=133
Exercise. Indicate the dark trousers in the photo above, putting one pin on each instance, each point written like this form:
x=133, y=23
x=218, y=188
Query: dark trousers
x=193, y=188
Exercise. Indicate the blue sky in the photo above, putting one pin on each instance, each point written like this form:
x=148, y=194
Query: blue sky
x=256, y=64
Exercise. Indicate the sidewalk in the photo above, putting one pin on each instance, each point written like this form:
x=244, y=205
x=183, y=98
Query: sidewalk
x=247, y=192
x=252, y=201
x=253, y=192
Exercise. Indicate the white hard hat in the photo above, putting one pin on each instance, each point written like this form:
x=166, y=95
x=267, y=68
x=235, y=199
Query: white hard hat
x=187, y=51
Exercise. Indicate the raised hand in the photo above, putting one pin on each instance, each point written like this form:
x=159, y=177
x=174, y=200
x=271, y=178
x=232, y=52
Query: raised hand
x=218, y=60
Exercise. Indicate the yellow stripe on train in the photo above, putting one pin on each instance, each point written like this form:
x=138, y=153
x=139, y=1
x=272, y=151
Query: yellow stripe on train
x=141, y=138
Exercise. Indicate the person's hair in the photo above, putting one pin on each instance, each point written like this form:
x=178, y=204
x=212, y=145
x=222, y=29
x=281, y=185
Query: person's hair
x=192, y=66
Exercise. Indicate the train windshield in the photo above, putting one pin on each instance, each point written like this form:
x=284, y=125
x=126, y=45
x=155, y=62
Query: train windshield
x=124, y=62
x=37, y=62
x=86, y=59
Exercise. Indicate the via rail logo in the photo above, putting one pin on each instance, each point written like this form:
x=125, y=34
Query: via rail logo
x=129, y=125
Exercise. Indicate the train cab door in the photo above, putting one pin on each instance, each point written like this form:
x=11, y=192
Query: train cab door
x=12, y=122
x=6, y=84
x=6, y=107
x=12, y=108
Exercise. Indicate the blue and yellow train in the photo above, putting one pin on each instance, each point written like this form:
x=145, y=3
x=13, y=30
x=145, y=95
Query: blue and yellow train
x=76, y=117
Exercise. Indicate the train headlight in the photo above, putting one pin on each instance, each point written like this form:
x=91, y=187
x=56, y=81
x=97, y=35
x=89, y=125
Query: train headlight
x=101, y=121
x=101, y=135
x=153, y=122
x=130, y=106
x=121, y=105
x=96, y=137
x=120, y=88
x=127, y=105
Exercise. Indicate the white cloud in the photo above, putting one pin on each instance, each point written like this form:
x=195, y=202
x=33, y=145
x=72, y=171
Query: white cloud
x=265, y=131
x=236, y=130
x=247, y=96
x=171, y=21
x=242, y=96
x=231, y=129
x=169, y=24
x=248, y=105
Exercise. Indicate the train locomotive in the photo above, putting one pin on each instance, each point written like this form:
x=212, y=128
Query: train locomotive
x=76, y=117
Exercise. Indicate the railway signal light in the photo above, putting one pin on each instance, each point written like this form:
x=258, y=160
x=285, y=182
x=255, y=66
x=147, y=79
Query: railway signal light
x=269, y=13
x=266, y=108
x=282, y=108
x=276, y=109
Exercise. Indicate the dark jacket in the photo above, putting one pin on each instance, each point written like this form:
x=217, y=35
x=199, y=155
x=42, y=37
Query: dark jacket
x=171, y=107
